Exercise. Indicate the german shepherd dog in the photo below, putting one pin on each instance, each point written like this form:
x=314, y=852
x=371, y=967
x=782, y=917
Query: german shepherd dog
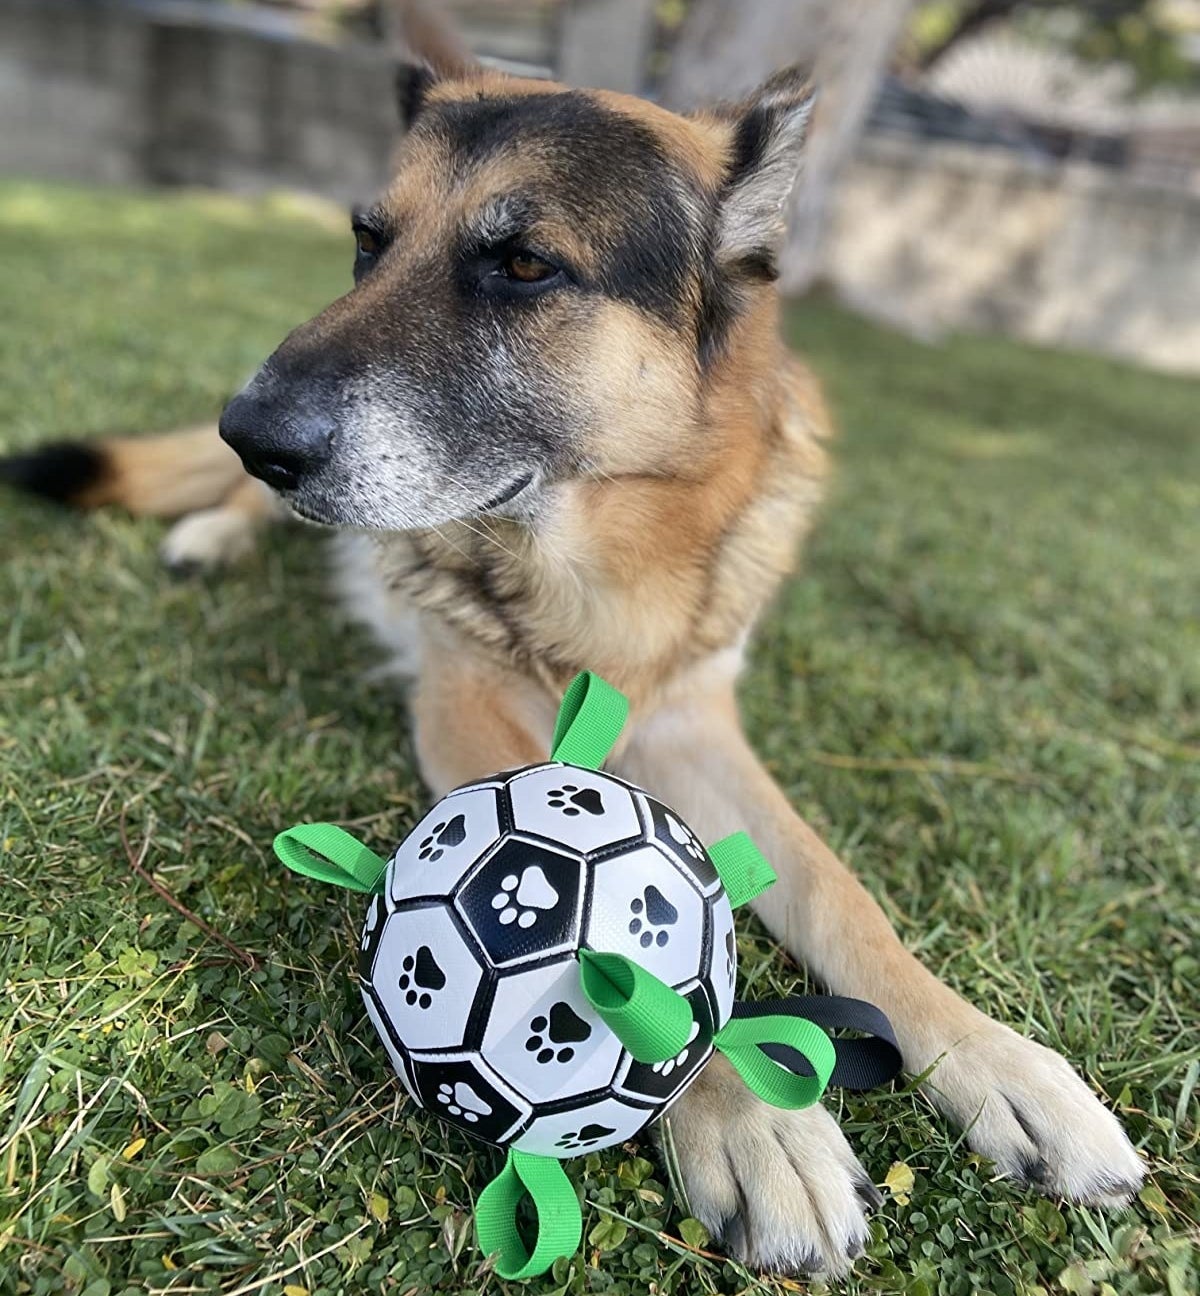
x=557, y=424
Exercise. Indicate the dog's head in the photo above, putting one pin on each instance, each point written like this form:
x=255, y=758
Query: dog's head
x=542, y=293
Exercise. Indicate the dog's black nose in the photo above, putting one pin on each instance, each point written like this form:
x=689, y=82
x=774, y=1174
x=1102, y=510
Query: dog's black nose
x=279, y=442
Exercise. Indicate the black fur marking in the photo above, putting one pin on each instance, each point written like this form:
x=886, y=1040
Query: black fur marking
x=868, y=1194
x=760, y=265
x=606, y=173
x=412, y=85
x=750, y=141
x=58, y=472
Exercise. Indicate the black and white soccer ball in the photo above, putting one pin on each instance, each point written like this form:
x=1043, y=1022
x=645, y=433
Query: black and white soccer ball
x=469, y=968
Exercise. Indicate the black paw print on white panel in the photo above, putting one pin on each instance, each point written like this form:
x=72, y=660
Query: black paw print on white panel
x=552, y=1034
x=420, y=974
x=443, y=837
x=573, y=800
x=652, y=913
x=584, y=1137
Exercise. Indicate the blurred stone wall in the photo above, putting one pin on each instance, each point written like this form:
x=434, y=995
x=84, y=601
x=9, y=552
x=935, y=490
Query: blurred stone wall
x=179, y=93
x=939, y=236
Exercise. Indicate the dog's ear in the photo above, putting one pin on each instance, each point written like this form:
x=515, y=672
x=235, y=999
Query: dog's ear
x=413, y=81
x=766, y=148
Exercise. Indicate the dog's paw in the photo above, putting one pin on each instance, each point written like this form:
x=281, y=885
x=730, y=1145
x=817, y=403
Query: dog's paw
x=779, y=1190
x=1025, y=1109
x=209, y=539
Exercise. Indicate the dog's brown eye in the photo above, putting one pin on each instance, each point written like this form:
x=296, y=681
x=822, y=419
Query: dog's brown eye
x=527, y=268
x=368, y=244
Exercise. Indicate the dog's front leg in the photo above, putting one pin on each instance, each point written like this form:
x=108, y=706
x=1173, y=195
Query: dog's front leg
x=472, y=717
x=1021, y=1104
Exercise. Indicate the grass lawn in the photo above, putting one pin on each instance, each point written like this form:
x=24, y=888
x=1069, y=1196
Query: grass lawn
x=984, y=689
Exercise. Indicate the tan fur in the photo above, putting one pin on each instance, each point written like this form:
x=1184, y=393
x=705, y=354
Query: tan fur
x=165, y=476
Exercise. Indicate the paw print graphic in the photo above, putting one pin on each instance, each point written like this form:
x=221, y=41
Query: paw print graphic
x=681, y=836
x=585, y=1137
x=419, y=974
x=652, y=914
x=571, y=800
x=730, y=957
x=672, y=1064
x=521, y=899
x=553, y=1034
x=443, y=837
x=462, y=1101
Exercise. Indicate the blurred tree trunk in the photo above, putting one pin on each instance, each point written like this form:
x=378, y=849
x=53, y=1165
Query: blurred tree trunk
x=726, y=48
x=605, y=43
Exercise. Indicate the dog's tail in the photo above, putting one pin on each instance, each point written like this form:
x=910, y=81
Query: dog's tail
x=154, y=476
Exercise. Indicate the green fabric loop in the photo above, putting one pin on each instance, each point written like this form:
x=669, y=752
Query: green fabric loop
x=589, y=722
x=742, y=867
x=653, y=1021
x=329, y=854
x=741, y=1039
x=559, y=1219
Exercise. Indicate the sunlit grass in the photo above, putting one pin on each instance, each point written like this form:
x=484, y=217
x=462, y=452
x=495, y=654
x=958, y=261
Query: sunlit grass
x=983, y=689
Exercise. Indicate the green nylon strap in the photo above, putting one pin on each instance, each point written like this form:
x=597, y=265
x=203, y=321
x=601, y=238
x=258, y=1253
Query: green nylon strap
x=645, y=1014
x=559, y=1219
x=743, y=869
x=741, y=1039
x=328, y=853
x=589, y=722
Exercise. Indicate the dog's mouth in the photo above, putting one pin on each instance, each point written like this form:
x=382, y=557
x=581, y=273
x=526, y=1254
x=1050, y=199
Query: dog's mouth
x=305, y=510
x=507, y=495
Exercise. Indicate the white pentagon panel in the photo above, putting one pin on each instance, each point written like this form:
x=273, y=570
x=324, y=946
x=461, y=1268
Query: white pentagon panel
x=644, y=908
x=583, y=809
x=444, y=845
x=723, y=969
x=399, y=1063
x=583, y=1129
x=524, y=901
x=462, y=1089
x=545, y=1039
x=425, y=977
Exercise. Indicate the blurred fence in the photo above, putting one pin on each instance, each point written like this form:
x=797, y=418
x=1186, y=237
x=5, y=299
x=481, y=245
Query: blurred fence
x=931, y=234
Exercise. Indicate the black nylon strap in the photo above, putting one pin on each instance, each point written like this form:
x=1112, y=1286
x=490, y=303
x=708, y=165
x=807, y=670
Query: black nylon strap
x=861, y=1063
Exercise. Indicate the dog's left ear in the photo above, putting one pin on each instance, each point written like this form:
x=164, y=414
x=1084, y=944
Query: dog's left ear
x=766, y=149
x=413, y=81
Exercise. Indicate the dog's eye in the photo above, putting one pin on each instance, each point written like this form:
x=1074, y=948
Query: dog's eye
x=367, y=242
x=527, y=267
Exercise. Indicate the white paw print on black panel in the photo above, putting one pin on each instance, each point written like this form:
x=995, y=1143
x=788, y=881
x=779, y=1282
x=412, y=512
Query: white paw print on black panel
x=683, y=838
x=652, y=913
x=552, y=1034
x=573, y=800
x=522, y=898
x=664, y=1069
x=730, y=956
x=460, y=1100
x=584, y=1137
x=419, y=975
x=443, y=837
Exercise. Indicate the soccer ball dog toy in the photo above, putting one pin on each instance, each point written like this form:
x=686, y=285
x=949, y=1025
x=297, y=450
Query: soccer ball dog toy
x=549, y=960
